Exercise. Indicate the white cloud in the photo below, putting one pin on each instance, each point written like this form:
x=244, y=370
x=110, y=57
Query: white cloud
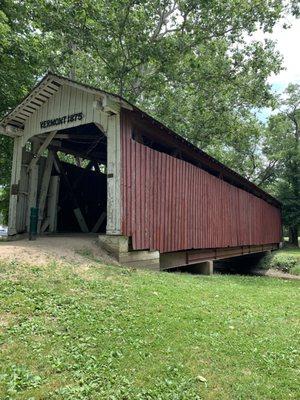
x=288, y=45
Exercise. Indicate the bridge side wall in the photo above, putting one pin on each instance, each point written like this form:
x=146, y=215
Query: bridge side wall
x=170, y=205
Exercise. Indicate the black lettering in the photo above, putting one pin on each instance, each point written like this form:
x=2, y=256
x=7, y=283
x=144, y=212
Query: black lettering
x=62, y=120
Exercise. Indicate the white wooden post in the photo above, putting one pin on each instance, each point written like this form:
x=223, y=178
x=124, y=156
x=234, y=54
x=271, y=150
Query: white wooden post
x=113, y=226
x=53, y=202
x=32, y=192
x=22, y=194
x=51, y=220
x=15, y=179
x=45, y=188
x=33, y=182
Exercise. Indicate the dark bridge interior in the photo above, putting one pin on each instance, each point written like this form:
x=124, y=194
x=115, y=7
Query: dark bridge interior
x=80, y=162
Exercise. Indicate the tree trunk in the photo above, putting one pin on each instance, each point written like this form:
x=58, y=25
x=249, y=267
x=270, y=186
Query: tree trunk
x=293, y=236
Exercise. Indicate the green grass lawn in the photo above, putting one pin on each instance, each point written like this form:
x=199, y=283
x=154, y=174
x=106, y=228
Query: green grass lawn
x=292, y=251
x=108, y=333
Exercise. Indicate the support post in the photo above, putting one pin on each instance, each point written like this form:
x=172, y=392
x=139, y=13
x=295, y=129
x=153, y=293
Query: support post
x=33, y=184
x=15, y=179
x=113, y=226
x=32, y=192
x=51, y=218
x=45, y=188
x=204, y=268
x=53, y=203
x=22, y=194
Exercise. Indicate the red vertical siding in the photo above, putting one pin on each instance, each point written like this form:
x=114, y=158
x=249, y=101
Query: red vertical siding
x=170, y=205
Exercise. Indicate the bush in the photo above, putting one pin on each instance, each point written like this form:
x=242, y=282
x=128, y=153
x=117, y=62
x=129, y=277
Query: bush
x=283, y=262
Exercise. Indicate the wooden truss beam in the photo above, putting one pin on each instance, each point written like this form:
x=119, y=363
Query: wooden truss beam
x=99, y=222
x=40, y=151
x=76, y=208
x=66, y=136
x=95, y=156
x=45, y=188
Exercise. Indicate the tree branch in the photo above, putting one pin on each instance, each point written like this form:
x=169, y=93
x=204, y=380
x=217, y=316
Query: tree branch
x=267, y=173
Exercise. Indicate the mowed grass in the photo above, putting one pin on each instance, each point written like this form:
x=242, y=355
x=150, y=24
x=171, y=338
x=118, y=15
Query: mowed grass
x=120, y=334
x=292, y=251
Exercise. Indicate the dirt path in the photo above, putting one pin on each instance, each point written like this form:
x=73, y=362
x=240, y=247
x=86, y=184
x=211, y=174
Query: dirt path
x=273, y=273
x=78, y=249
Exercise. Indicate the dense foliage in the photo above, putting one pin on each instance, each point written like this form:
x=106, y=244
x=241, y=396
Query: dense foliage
x=283, y=260
x=192, y=64
x=282, y=148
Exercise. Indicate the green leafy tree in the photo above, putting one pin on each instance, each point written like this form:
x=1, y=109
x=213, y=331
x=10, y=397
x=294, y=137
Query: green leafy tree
x=188, y=62
x=20, y=53
x=282, y=147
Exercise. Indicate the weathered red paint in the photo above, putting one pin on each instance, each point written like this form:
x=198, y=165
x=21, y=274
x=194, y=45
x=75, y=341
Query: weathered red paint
x=171, y=205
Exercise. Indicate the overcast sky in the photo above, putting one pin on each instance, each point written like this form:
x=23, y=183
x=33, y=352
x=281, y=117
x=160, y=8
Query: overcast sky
x=288, y=45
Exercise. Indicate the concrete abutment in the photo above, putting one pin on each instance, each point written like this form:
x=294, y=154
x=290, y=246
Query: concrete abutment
x=119, y=247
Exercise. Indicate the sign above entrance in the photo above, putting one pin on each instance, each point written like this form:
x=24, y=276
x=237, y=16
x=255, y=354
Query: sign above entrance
x=62, y=120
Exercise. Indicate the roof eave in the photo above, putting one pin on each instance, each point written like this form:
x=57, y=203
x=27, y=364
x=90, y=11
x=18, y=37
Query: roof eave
x=7, y=128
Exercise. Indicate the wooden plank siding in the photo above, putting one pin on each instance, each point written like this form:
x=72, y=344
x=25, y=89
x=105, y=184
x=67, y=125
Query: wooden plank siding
x=67, y=100
x=169, y=204
x=162, y=202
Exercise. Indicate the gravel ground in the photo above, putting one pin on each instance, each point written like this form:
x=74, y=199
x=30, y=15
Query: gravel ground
x=75, y=249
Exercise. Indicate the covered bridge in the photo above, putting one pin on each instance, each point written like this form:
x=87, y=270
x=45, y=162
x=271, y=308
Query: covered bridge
x=155, y=199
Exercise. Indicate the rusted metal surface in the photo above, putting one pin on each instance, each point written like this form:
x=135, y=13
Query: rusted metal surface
x=171, y=205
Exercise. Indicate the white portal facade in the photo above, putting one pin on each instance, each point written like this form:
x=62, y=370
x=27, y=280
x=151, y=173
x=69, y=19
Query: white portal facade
x=55, y=105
